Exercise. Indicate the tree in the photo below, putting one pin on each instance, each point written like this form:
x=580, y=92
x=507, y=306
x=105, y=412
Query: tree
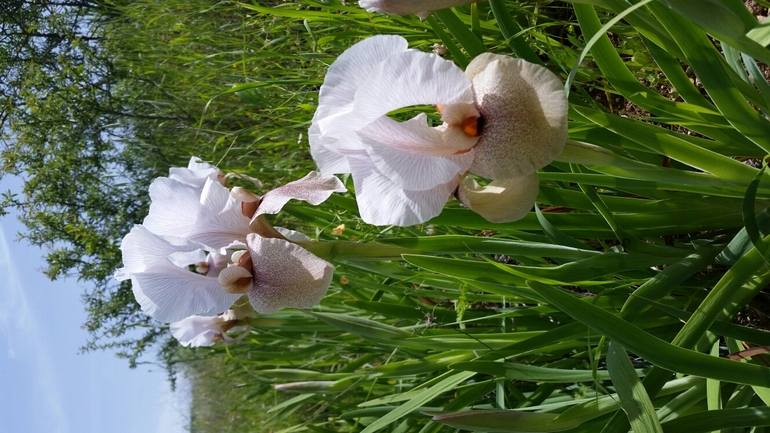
x=66, y=125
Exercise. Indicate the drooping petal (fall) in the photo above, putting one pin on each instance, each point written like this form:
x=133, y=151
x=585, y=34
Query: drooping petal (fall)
x=414, y=136
x=286, y=275
x=164, y=290
x=503, y=200
x=209, y=216
x=381, y=202
x=524, y=108
x=373, y=78
x=415, y=172
x=313, y=188
x=195, y=174
x=421, y=8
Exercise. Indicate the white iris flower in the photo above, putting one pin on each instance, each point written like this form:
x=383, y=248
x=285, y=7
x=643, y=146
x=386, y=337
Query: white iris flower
x=503, y=119
x=231, y=248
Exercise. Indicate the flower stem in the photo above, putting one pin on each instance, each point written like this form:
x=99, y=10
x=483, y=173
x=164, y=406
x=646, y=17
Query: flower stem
x=355, y=251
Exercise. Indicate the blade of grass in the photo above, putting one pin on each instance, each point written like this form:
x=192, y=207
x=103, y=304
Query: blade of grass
x=633, y=397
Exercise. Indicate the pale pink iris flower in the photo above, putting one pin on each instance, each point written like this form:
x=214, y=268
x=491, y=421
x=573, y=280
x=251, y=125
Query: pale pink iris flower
x=421, y=8
x=503, y=119
x=196, y=252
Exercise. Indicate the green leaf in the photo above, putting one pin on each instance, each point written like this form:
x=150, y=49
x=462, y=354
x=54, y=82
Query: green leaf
x=531, y=373
x=509, y=30
x=651, y=348
x=749, y=219
x=555, y=235
x=714, y=73
x=713, y=394
x=291, y=402
x=760, y=33
x=460, y=57
x=461, y=32
x=361, y=326
x=596, y=37
x=714, y=420
x=450, y=381
x=709, y=14
x=634, y=399
x=502, y=421
x=450, y=244
x=759, y=80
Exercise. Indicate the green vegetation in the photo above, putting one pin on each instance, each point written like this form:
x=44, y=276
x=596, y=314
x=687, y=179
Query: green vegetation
x=613, y=306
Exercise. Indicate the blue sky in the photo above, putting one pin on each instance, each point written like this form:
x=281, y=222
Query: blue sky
x=46, y=385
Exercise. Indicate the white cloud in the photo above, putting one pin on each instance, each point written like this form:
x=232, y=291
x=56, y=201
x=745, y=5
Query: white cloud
x=27, y=344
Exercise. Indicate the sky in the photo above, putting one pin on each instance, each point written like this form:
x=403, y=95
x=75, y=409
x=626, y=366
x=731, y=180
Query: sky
x=46, y=385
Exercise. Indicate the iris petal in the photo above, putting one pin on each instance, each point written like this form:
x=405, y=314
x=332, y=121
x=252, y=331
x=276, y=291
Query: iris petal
x=165, y=291
x=286, y=275
x=524, y=108
x=381, y=202
x=501, y=201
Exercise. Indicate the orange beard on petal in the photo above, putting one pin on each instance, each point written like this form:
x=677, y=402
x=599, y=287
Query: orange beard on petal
x=470, y=126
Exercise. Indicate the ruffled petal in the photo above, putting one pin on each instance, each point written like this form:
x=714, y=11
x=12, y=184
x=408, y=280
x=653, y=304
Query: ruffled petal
x=167, y=292
x=195, y=174
x=502, y=200
x=524, y=108
x=421, y=8
x=407, y=79
x=329, y=161
x=381, y=202
x=286, y=275
x=313, y=188
x=174, y=207
x=209, y=216
x=346, y=75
